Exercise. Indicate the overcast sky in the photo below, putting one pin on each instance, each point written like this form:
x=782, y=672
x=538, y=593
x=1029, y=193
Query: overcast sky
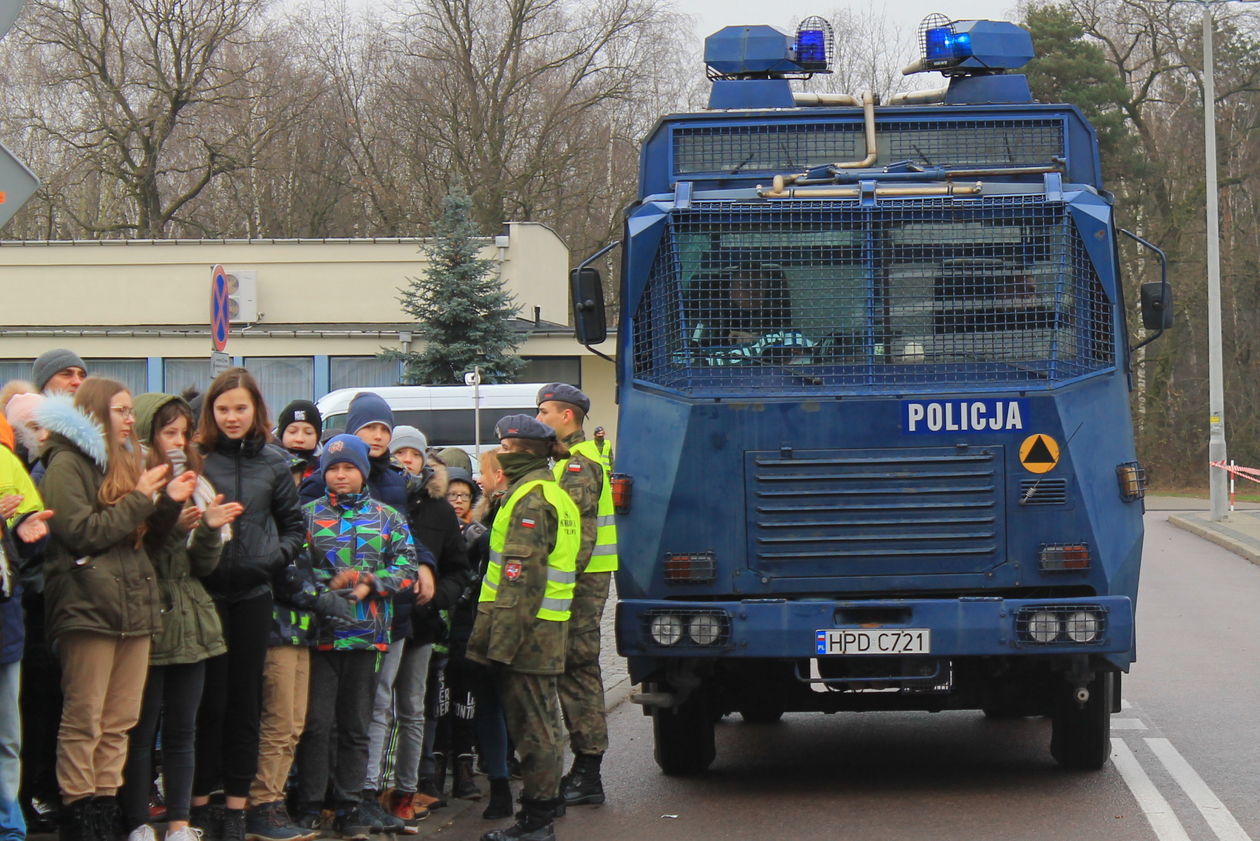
x=712, y=15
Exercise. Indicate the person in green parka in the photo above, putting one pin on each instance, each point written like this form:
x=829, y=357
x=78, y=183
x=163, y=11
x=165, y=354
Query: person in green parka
x=191, y=631
x=101, y=595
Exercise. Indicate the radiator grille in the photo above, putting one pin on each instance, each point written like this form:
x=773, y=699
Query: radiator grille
x=793, y=147
x=798, y=296
x=920, y=510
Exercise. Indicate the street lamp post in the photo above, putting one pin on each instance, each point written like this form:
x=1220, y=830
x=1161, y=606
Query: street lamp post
x=1217, y=478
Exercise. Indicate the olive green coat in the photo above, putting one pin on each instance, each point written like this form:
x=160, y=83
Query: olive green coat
x=96, y=576
x=191, y=630
x=508, y=629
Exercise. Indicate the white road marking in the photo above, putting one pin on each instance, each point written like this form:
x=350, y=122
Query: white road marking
x=1158, y=813
x=1128, y=724
x=1214, y=812
x=1125, y=705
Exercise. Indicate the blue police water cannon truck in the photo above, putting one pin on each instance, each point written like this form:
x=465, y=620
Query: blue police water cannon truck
x=873, y=372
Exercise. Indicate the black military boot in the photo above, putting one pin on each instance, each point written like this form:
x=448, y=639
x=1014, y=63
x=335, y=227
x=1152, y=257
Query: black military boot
x=583, y=785
x=533, y=823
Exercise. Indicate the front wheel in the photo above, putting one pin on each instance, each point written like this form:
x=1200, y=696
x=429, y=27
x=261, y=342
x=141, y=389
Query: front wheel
x=683, y=736
x=1080, y=736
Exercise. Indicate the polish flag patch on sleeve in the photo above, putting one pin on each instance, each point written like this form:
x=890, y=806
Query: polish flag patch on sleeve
x=574, y=467
x=527, y=522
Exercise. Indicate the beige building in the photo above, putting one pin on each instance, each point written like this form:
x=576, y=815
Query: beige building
x=309, y=316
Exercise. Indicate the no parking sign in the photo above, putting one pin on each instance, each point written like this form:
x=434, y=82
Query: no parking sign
x=219, y=308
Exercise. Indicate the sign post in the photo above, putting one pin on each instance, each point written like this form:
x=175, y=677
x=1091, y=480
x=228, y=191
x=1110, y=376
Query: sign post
x=220, y=302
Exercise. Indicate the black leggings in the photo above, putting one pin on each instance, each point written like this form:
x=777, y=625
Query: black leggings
x=171, y=695
x=231, y=706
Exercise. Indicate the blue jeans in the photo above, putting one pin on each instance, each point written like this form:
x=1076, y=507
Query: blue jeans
x=12, y=824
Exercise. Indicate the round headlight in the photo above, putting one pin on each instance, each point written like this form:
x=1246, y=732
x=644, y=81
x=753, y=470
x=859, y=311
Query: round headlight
x=1043, y=626
x=666, y=628
x=1082, y=626
x=704, y=629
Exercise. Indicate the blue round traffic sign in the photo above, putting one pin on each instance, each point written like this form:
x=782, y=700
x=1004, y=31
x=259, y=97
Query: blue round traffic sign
x=220, y=305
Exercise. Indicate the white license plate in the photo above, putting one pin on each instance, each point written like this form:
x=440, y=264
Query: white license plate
x=886, y=641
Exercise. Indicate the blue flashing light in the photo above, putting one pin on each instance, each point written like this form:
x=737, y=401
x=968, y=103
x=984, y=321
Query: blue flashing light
x=943, y=45
x=811, y=46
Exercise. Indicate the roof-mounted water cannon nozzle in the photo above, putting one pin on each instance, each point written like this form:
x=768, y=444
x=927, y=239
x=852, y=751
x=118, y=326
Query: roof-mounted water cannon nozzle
x=970, y=47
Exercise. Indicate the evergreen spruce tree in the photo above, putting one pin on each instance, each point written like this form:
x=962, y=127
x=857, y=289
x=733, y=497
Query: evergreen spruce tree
x=463, y=314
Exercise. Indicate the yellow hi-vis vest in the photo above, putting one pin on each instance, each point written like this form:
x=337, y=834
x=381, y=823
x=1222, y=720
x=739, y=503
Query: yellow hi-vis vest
x=604, y=555
x=561, y=563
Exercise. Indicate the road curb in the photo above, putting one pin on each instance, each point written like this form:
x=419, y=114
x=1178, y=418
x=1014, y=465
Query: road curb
x=1221, y=535
x=617, y=693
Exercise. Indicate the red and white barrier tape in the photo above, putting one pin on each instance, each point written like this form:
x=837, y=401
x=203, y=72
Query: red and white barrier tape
x=1252, y=473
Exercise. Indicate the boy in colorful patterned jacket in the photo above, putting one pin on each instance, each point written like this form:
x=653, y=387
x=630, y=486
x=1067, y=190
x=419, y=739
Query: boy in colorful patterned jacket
x=358, y=544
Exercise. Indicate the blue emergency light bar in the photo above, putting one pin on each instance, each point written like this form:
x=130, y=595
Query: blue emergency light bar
x=943, y=45
x=973, y=48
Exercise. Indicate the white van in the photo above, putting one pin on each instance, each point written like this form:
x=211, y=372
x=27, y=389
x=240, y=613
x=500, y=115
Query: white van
x=444, y=413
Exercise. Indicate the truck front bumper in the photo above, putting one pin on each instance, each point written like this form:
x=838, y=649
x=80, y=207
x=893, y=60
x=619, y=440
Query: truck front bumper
x=958, y=627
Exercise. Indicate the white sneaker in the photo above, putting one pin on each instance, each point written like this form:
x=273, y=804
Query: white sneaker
x=188, y=833
x=144, y=832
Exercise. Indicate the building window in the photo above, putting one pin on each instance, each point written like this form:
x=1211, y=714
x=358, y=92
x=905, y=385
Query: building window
x=132, y=373
x=15, y=369
x=283, y=379
x=552, y=369
x=181, y=374
x=362, y=372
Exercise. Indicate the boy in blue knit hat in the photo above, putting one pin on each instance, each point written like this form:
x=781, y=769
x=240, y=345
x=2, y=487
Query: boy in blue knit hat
x=357, y=543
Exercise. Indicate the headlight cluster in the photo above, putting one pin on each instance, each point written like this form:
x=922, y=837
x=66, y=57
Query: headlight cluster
x=1061, y=624
x=691, y=627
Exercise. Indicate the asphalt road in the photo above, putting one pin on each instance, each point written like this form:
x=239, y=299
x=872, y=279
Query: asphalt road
x=1185, y=762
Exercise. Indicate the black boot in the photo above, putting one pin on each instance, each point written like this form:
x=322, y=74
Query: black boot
x=500, y=805
x=77, y=821
x=583, y=785
x=533, y=823
x=462, y=786
x=107, y=818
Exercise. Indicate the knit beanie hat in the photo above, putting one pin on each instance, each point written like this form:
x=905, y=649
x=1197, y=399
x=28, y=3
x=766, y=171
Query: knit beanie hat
x=20, y=410
x=347, y=448
x=366, y=408
x=52, y=361
x=303, y=411
x=408, y=436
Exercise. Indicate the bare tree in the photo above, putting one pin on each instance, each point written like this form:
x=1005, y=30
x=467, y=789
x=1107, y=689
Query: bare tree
x=129, y=82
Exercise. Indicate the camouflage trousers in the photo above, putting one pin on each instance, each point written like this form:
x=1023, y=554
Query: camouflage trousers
x=529, y=705
x=581, y=686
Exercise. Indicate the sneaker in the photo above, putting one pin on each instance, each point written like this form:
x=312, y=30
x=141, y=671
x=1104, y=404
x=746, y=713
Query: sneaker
x=402, y=808
x=208, y=820
x=378, y=819
x=144, y=832
x=428, y=795
x=312, y=823
x=188, y=833
x=270, y=822
x=352, y=826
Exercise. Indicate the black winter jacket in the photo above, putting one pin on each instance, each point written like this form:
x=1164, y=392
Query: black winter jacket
x=435, y=525
x=270, y=533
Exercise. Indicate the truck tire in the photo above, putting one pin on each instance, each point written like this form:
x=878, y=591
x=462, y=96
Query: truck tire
x=683, y=736
x=761, y=712
x=1080, y=736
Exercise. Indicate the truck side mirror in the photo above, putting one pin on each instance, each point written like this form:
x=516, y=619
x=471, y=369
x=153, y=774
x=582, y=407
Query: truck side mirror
x=590, y=323
x=1157, y=305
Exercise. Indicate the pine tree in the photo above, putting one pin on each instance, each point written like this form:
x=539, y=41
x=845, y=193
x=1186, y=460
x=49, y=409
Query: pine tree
x=463, y=314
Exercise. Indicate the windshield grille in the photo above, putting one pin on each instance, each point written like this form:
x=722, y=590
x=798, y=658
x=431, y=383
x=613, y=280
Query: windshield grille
x=912, y=293
x=792, y=147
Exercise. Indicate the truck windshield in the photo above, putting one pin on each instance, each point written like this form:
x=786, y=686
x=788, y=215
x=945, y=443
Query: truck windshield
x=923, y=292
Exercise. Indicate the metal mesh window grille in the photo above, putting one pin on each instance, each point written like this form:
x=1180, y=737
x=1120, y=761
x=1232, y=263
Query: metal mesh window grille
x=796, y=146
x=927, y=293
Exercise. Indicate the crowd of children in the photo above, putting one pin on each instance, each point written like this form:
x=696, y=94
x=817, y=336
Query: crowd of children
x=318, y=631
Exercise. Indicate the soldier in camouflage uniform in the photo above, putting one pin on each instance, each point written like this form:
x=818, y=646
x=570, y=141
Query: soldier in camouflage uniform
x=523, y=612
x=563, y=408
